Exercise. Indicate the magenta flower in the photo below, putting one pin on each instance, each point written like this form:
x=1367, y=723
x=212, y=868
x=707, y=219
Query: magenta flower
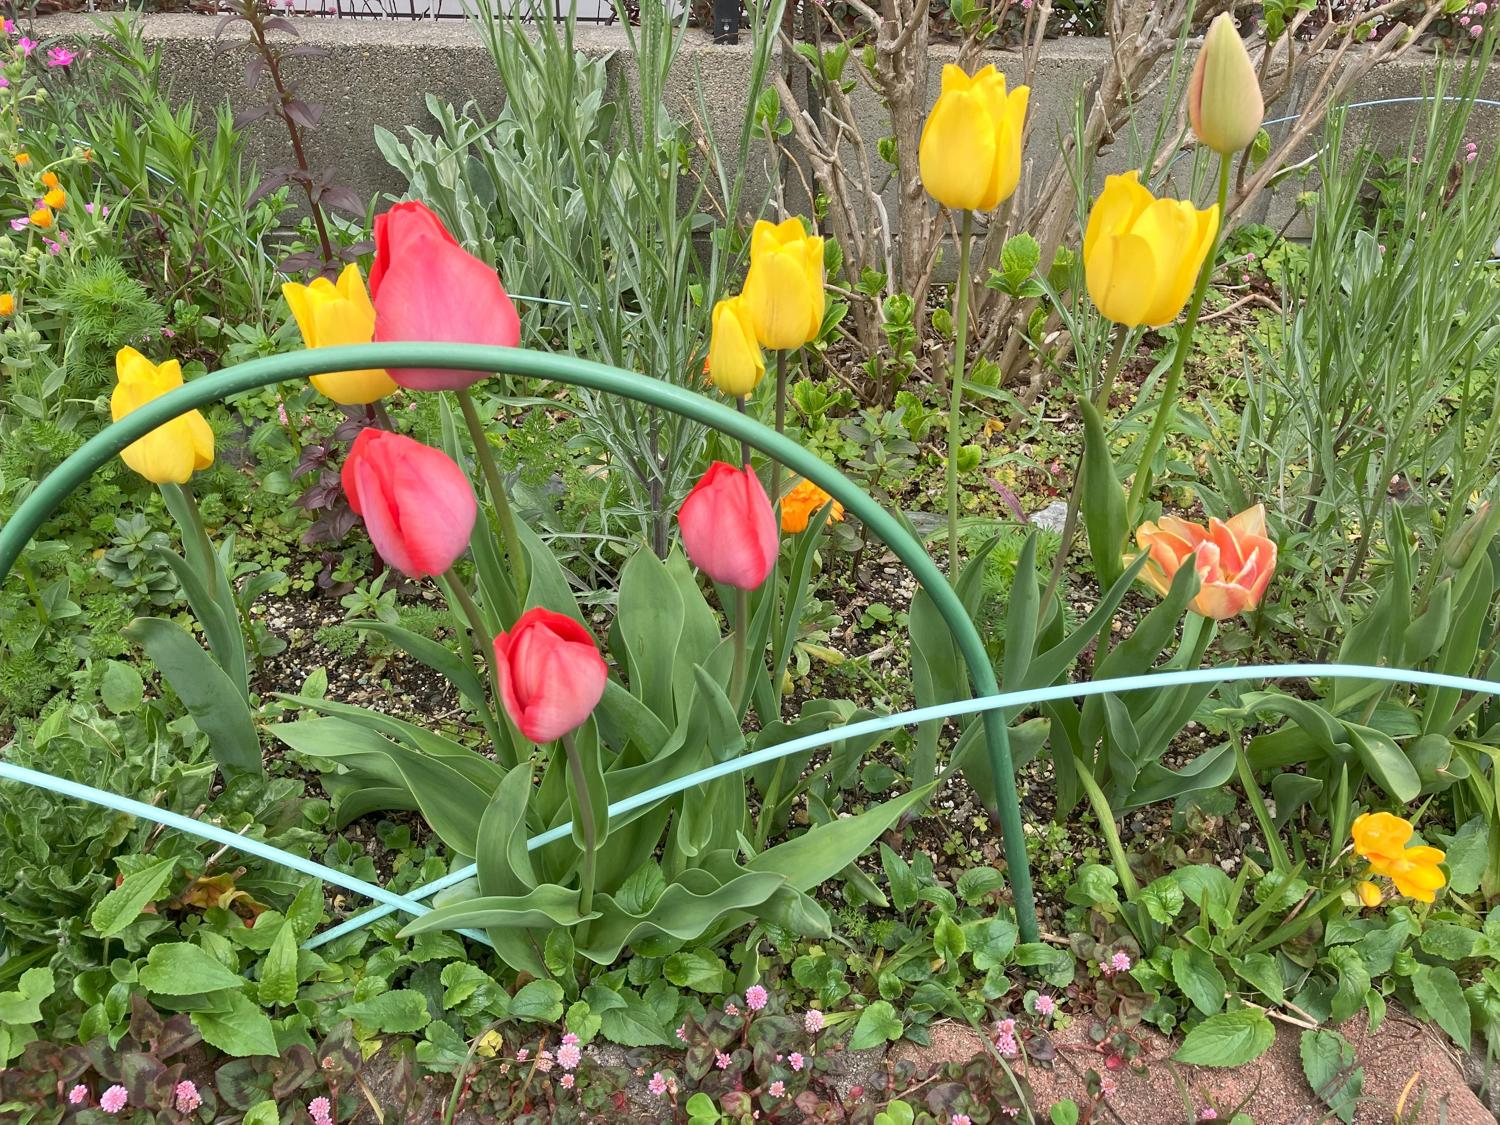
x=568, y=1055
x=1045, y=1005
x=755, y=997
x=186, y=1098
x=1120, y=962
x=59, y=57
x=1208, y=1113
x=27, y=45
x=777, y=1088
x=795, y=1059
x=4, y=82
x=721, y=1060
x=657, y=1085
x=813, y=1021
x=567, y=1081
x=79, y=1093
x=10, y=29
x=960, y=1119
x=114, y=1099
x=321, y=1111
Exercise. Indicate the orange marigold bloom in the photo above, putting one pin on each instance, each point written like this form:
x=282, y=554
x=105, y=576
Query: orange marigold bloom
x=798, y=505
x=41, y=217
x=7, y=304
x=23, y=158
x=55, y=198
x=49, y=179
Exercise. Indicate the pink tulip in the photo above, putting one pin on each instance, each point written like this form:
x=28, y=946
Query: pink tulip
x=1234, y=560
x=426, y=287
x=551, y=675
x=729, y=528
x=418, y=506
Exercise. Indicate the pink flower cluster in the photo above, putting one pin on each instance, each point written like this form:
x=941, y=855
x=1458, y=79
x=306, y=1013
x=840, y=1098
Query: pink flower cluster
x=114, y=1099
x=1470, y=20
x=1471, y=152
x=185, y=1098
x=1005, y=1039
x=755, y=998
x=321, y=1111
x=812, y=1022
x=1119, y=963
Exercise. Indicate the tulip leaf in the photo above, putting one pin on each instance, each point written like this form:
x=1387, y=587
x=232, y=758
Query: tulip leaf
x=822, y=852
x=1386, y=762
x=650, y=623
x=1104, y=516
x=546, y=906
x=686, y=909
x=439, y=657
x=210, y=594
x=212, y=699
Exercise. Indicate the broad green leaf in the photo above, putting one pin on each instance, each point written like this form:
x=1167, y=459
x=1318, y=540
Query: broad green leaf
x=262, y=1113
x=278, y=971
x=547, y=905
x=822, y=852
x=121, y=688
x=1104, y=515
x=180, y=968
x=538, y=1002
x=1199, y=978
x=396, y=1012
x=24, y=1005
x=1468, y=853
x=210, y=696
x=1260, y=971
x=1328, y=1062
x=1437, y=987
x=1227, y=1039
x=877, y=1024
x=634, y=1026
x=124, y=904
x=1353, y=981
x=1386, y=762
x=702, y=971
x=239, y=1028
x=437, y=656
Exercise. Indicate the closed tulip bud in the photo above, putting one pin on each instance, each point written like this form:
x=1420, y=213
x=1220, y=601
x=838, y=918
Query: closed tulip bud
x=1234, y=560
x=426, y=287
x=551, y=674
x=1224, y=98
x=175, y=450
x=970, y=152
x=735, y=362
x=729, y=527
x=1142, y=255
x=417, y=504
x=783, y=293
x=331, y=314
x=1461, y=546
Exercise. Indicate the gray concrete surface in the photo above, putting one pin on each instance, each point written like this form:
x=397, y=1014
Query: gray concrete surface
x=378, y=72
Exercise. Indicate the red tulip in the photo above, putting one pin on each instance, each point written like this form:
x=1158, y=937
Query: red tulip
x=427, y=287
x=551, y=674
x=728, y=527
x=418, y=506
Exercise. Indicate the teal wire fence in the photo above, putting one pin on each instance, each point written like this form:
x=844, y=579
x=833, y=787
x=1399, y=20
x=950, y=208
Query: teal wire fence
x=988, y=702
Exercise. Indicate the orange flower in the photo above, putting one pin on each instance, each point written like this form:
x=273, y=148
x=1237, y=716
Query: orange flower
x=23, y=158
x=7, y=304
x=49, y=179
x=41, y=217
x=798, y=505
x=1416, y=872
x=1369, y=894
x=1380, y=837
x=1234, y=559
x=55, y=198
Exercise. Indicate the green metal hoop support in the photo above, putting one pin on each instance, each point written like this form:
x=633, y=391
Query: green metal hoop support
x=258, y=373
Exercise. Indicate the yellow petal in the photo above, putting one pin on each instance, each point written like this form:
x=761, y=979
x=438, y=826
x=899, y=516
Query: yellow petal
x=956, y=154
x=735, y=362
x=1121, y=275
x=1116, y=209
x=1171, y=228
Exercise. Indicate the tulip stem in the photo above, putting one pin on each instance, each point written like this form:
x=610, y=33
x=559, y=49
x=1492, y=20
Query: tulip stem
x=1142, y=483
x=739, y=404
x=382, y=416
x=780, y=422
x=496, y=487
x=741, y=627
x=486, y=645
x=590, y=829
x=956, y=404
x=1106, y=818
x=1257, y=800
x=1075, y=496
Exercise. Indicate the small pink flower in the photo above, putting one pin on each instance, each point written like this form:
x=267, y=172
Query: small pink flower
x=1463, y=21
x=281, y=413
x=682, y=1033
x=79, y=1093
x=657, y=1085
x=568, y=1055
x=721, y=1060
x=1007, y=1047
x=60, y=57
x=4, y=82
x=20, y=224
x=1045, y=1005
x=755, y=997
x=1005, y=1027
x=185, y=1098
x=1480, y=8
x=10, y=29
x=730, y=1009
x=570, y=1040
x=1108, y=1086
x=1208, y=1113
x=27, y=45
x=813, y=1021
x=795, y=1060
x=115, y=1098
x=777, y=1088
x=169, y=333
x=544, y=1061
x=1010, y=1111
x=960, y=1119
x=1476, y=30
x=567, y=1081
x=523, y=1054
x=321, y=1110
x=1470, y=157
x=1120, y=962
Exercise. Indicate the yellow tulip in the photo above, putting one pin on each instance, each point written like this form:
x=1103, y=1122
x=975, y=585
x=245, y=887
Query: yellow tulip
x=783, y=293
x=970, y=151
x=1141, y=255
x=735, y=362
x=1224, y=99
x=172, y=452
x=329, y=315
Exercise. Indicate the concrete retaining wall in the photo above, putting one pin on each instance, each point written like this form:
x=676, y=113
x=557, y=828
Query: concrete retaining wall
x=379, y=73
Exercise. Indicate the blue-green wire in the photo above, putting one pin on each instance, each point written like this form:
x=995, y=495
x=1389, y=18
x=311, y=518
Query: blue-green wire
x=411, y=904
